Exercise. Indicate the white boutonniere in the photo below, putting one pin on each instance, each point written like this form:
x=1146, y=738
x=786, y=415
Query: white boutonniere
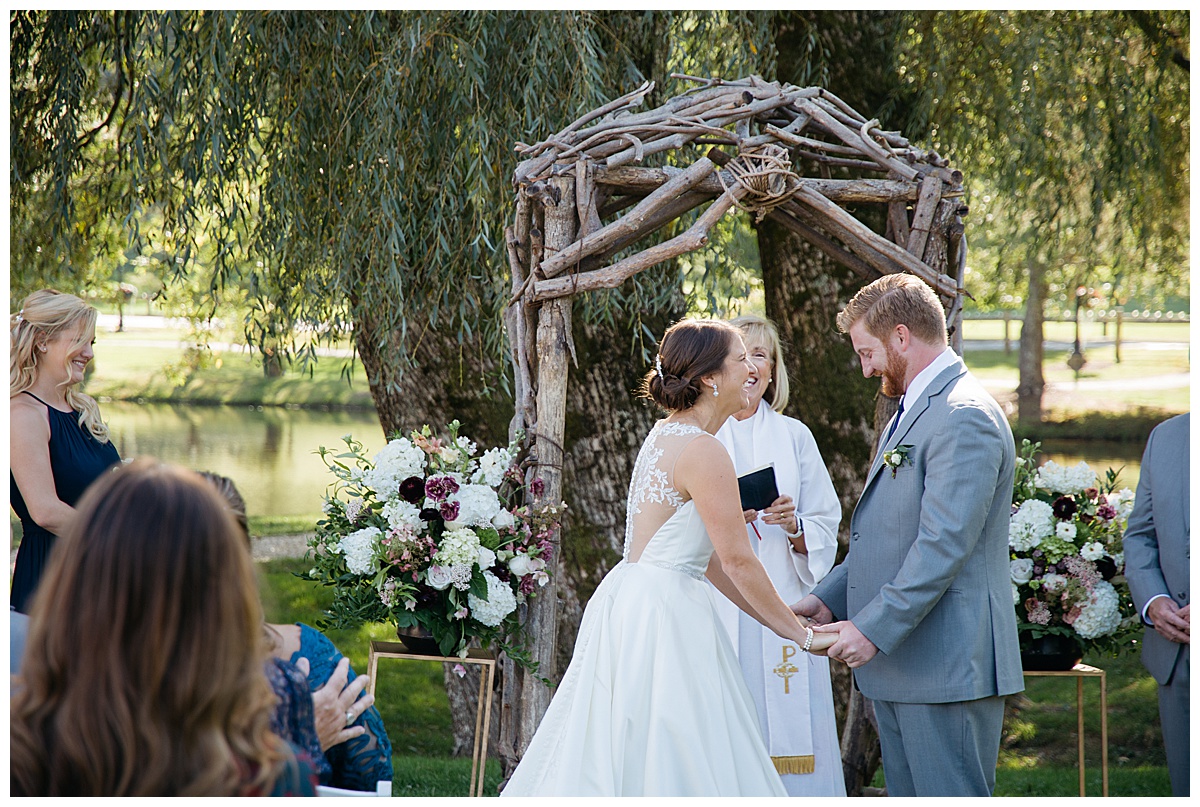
x=896, y=457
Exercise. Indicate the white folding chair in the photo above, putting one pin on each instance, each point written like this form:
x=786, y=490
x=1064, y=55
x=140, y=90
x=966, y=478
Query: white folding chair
x=381, y=789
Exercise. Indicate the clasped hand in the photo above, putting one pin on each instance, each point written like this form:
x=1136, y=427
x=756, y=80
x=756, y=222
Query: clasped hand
x=850, y=646
x=337, y=705
x=1172, y=622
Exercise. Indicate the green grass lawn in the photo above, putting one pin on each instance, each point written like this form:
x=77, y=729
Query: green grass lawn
x=144, y=365
x=1037, y=757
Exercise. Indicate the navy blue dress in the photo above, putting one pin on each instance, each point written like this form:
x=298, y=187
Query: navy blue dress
x=76, y=460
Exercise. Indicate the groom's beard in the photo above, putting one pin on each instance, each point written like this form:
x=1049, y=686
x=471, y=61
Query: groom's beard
x=894, y=372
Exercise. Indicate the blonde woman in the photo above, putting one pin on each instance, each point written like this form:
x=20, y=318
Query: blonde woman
x=58, y=443
x=795, y=538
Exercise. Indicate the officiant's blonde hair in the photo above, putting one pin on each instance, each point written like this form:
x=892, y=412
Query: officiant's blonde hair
x=758, y=330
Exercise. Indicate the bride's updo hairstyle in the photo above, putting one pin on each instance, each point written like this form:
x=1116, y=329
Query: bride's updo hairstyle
x=690, y=349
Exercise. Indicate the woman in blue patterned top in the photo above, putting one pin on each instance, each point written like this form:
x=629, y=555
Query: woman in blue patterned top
x=357, y=749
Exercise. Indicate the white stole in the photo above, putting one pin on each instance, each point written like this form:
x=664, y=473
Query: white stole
x=761, y=439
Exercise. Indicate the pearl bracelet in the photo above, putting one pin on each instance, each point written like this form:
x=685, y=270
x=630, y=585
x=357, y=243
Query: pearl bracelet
x=808, y=640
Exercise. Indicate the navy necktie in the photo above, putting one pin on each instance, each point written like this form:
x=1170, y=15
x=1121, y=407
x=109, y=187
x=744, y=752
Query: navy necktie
x=895, y=422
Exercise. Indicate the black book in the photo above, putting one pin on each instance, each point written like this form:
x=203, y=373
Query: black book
x=758, y=488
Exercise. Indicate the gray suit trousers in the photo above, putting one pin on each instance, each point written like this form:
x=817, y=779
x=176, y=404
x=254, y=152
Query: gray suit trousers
x=1173, y=705
x=940, y=749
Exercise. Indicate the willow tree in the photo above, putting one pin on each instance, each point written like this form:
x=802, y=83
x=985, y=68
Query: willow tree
x=352, y=170
x=1077, y=128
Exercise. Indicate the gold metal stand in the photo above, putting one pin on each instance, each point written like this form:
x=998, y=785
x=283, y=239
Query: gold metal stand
x=483, y=711
x=1079, y=672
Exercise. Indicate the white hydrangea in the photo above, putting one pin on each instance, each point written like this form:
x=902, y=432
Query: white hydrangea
x=500, y=602
x=1102, y=614
x=1055, y=477
x=1122, y=501
x=1021, y=570
x=1066, y=530
x=457, y=547
x=1054, y=582
x=402, y=513
x=1119, y=560
x=1093, y=550
x=359, y=549
x=394, y=463
x=492, y=466
x=1030, y=524
x=477, y=505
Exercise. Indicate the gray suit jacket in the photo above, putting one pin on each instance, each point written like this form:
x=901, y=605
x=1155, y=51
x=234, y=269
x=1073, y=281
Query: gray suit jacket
x=927, y=575
x=1158, y=536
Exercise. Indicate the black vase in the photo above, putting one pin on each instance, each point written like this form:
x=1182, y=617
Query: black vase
x=1049, y=653
x=419, y=641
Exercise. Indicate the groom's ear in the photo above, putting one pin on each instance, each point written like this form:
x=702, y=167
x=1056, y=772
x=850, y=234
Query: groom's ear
x=902, y=337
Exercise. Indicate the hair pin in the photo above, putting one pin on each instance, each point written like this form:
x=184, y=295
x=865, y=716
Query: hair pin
x=658, y=364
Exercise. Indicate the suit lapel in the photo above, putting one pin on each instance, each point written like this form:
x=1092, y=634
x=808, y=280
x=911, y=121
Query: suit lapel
x=913, y=414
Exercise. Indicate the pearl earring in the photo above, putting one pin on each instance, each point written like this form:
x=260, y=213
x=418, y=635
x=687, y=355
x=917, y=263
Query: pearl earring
x=714, y=386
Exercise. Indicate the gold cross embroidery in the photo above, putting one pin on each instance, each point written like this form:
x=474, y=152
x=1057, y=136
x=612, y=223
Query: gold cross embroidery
x=786, y=669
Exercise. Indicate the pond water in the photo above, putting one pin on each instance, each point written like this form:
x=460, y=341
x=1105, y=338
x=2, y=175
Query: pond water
x=269, y=451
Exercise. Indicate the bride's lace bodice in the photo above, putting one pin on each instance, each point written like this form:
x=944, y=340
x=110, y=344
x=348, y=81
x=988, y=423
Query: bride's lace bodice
x=662, y=528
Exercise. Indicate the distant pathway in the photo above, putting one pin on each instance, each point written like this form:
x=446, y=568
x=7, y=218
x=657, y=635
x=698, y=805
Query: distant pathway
x=270, y=547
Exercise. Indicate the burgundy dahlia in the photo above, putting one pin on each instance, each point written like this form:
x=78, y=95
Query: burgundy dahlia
x=449, y=511
x=412, y=489
x=1064, y=507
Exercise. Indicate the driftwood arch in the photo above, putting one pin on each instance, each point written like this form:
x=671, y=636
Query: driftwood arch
x=758, y=133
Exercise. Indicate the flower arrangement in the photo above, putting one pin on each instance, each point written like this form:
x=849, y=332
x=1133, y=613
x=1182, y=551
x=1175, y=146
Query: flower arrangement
x=1065, y=543
x=429, y=534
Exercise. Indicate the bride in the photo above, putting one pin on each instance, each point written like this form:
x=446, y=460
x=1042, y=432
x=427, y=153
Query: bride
x=653, y=702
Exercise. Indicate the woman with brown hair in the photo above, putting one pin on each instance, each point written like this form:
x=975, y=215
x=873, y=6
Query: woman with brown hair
x=58, y=443
x=143, y=671
x=653, y=702
x=352, y=750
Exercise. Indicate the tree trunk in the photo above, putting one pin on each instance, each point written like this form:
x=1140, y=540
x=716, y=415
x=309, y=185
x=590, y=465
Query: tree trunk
x=1031, y=382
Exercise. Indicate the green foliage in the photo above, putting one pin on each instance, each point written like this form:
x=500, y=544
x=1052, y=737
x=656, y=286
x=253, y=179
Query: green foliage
x=1072, y=129
x=343, y=168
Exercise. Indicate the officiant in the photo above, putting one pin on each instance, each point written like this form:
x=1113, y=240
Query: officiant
x=795, y=538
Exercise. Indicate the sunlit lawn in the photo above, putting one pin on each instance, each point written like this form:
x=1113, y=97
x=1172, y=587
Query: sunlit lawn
x=1038, y=756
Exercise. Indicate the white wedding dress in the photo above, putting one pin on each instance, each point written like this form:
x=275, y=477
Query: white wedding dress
x=653, y=702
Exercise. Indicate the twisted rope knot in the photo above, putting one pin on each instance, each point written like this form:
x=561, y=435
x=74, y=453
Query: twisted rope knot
x=765, y=172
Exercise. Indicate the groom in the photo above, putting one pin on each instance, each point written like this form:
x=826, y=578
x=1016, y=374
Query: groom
x=923, y=597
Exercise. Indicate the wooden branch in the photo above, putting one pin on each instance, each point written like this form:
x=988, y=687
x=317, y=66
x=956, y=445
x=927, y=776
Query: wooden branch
x=627, y=101
x=654, y=221
x=612, y=276
x=616, y=204
x=931, y=194
x=898, y=222
x=639, y=179
x=788, y=218
x=633, y=221
x=812, y=143
x=852, y=138
x=842, y=162
x=636, y=153
x=881, y=246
